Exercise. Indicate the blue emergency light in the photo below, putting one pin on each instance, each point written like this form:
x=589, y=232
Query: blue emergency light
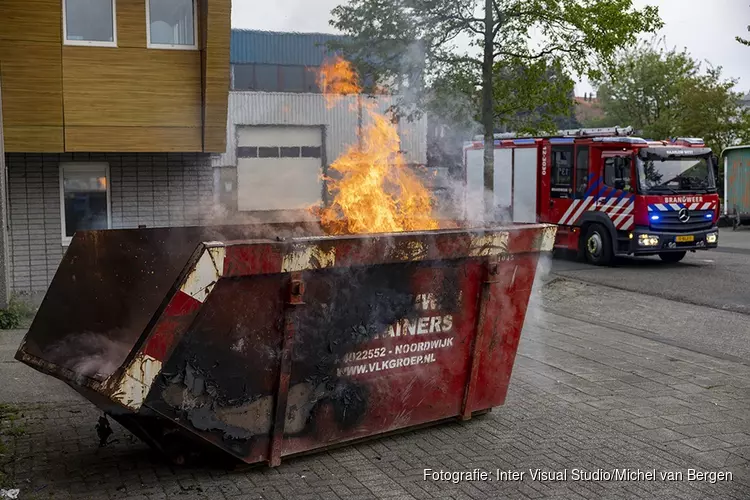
x=655, y=217
x=709, y=216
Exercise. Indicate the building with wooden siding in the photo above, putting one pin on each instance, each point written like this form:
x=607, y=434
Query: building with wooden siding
x=110, y=113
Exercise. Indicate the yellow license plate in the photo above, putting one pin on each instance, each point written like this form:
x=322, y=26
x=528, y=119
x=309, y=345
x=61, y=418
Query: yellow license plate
x=685, y=239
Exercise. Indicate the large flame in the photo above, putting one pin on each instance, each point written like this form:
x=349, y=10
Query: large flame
x=373, y=189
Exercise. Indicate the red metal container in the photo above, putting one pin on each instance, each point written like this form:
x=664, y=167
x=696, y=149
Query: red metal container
x=234, y=339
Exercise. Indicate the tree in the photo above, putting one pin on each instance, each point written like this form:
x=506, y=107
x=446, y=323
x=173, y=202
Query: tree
x=528, y=97
x=532, y=96
x=642, y=89
x=665, y=93
x=744, y=41
x=418, y=38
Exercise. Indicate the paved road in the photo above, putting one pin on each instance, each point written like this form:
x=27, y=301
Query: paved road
x=586, y=393
x=719, y=279
x=605, y=378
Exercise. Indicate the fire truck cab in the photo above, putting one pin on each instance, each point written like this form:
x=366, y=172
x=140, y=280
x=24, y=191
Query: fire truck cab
x=610, y=193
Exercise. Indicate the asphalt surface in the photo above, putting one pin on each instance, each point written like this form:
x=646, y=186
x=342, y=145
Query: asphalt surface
x=716, y=279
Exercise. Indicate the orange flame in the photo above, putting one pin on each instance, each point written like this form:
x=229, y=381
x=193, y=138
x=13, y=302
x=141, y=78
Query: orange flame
x=374, y=190
x=336, y=78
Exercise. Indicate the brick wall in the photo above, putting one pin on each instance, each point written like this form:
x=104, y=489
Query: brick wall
x=155, y=190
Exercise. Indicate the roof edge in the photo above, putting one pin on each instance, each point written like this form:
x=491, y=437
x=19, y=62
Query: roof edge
x=730, y=148
x=283, y=33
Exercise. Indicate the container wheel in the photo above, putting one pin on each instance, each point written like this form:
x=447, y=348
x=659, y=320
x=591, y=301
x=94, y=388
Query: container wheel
x=598, y=245
x=175, y=451
x=672, y=257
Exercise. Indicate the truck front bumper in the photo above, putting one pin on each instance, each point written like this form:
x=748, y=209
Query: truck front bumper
x=644, y=241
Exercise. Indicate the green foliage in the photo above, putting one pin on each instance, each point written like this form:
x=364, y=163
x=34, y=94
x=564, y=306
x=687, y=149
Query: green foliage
x=531, y=96
x=528, y=97
x=9, y=319
x=18, y=314
x=9, y=428
x=744, y=41
x=665, y=93
x=411, y=46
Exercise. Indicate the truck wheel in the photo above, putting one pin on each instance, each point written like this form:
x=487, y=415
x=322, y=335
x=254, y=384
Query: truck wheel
x=598, y=246
x=672, y=257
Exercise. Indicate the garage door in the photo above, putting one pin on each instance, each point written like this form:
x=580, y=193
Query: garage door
x=279, y=168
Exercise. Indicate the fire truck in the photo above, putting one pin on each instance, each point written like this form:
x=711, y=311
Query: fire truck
x=610, y=193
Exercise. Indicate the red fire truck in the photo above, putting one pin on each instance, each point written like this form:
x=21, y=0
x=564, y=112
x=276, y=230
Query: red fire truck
x=611, y=194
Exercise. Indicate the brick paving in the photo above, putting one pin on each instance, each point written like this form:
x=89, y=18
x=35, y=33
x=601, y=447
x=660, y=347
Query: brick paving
x=583, y=396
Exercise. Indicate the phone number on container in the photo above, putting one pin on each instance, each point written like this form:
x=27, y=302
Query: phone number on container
x=362, y=355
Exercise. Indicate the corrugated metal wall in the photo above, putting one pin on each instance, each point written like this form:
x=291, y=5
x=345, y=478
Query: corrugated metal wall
x=340, y=122
x=265, y=47
x=737, y=181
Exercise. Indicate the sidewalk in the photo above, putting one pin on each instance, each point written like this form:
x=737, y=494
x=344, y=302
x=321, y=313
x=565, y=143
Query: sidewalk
x=584, y=395
x=739, y=239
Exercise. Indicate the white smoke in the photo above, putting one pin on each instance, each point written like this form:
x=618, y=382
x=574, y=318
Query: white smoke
x=90, y=354
x=535, y=313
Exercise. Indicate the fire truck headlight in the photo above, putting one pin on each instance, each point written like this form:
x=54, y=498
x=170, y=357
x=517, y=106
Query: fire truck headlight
x=648, y=240
x=712, y=238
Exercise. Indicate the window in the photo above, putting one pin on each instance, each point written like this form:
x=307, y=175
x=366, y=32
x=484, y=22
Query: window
x=311, y=80
x=582, y=171
x=268, y=152
x=312, y=152
x=292, y=78
x=266, y=78
x=171, y=24
x=274, y=78
x=617, y=172
x=562, y=172
x=247, y=152
x=244, y=77
x=84, y=193
x=290, y=152
x=89, y=22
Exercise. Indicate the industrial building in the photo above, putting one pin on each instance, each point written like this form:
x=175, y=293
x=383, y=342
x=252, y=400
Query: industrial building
x=281, y=132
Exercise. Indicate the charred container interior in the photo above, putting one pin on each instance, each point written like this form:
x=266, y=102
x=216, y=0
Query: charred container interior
x=273, y=340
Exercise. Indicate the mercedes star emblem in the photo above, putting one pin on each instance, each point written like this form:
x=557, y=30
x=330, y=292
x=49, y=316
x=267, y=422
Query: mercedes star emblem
x=683, y=215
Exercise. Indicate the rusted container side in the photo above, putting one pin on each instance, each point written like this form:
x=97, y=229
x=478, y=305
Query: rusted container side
x=265, y=348
x=108, y=287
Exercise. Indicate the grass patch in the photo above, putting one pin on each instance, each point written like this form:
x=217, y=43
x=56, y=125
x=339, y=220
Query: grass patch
x=9, y=429
x=9, y=425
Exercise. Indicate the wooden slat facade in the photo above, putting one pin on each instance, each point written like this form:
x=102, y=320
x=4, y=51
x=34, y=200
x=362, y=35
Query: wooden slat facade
x=63, y=98
x=218, y=32
x=103, y=139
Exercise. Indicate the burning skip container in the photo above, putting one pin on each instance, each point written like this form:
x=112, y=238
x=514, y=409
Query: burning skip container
x=270, y=341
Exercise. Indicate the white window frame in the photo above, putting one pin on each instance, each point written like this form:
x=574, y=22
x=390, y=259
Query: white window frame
x=170, y=46
x=90, y=43
x=82, y=167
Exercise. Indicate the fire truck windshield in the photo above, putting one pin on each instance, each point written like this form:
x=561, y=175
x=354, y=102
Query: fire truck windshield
x=676, y=174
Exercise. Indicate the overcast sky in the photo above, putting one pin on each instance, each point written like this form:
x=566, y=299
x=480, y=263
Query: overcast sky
x=706, y=28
